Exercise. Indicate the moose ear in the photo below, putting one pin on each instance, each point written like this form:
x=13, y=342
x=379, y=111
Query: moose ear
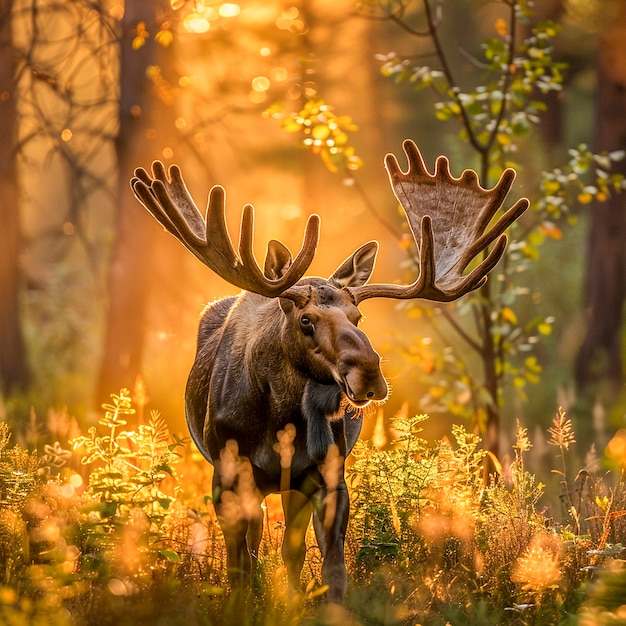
x=357, y=268
x=277, y=260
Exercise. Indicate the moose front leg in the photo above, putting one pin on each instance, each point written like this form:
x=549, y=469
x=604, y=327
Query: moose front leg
x=234, y=527
x=331, y=508
x=297, y=509
x=330, y=521
x=237, y=504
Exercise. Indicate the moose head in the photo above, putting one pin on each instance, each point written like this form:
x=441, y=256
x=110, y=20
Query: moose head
x=282, y=372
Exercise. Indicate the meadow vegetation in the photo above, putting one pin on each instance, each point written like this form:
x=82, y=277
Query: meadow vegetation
x=116, y=526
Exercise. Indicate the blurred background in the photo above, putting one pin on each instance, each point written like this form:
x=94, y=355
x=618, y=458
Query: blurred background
x=292, y=106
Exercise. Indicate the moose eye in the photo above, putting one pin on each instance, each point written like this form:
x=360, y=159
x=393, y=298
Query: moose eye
x=306, y=324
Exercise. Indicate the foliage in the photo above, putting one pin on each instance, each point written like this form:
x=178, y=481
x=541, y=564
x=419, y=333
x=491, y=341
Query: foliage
x=324, y=132
x=487, y=343
x=129, y=469
x=19, y=471
x=431, y=539
x=446, y=544
x=72, y=546
x=320, y=129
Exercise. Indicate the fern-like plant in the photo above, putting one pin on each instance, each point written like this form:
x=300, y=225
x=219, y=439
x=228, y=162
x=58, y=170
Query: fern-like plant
x=128, y=495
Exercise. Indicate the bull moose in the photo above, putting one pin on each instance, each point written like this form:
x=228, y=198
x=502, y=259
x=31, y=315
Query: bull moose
x=282, y=372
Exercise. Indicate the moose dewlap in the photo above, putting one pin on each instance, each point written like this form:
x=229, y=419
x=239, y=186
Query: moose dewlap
x=282, y=370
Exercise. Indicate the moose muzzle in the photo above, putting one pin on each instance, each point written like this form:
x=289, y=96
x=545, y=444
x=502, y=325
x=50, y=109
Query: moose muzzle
x=361, y=378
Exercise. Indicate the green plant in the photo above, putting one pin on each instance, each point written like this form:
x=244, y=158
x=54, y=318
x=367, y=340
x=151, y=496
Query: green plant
x=128, y=487
x=415, y=509
x=436, y=537
x=19, y=472
x=432, y=538
x=485, y=344
x=322, y=131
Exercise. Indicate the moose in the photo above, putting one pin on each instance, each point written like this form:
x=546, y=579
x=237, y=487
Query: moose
x=283, y=373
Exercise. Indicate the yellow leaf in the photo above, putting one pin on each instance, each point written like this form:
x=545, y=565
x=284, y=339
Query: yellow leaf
x=519, y=382
x=318, y=592
x=585, y=197
x=530, y=252
x=141, y=29
x=290, y=125
x=508, y=315
x=321, y=131
x=164, y=37
x=531, y=364
x=436, y=392
x=503, y=139
x=551, y=186
x=501, y=27
x=544, y=328
x=138, y=42
x=340, y=138
x=414, y=312
x=603, y=502
x=346, y=122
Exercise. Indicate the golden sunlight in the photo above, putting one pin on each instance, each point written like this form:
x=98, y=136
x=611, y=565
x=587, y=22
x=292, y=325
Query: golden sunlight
x=196, y=23
x=229, y=9
x=199, y=20
x=260, y=83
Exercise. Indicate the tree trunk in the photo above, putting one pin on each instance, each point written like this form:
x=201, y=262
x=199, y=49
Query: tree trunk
x=14, y=372
x=599, y=358
x=130, y=269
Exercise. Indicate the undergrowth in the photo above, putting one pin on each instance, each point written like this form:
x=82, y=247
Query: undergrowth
x=116, y=526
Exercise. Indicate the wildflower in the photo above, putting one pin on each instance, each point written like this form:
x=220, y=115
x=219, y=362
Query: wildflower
x=539, y=568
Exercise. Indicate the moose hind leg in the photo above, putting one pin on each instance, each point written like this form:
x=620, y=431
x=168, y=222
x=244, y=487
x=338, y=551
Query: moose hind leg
x=297, y=509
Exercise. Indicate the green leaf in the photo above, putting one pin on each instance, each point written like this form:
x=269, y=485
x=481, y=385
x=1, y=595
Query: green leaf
x=170, y=555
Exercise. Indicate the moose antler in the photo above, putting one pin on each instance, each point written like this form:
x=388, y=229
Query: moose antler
x=448, y=217
x=169, y=201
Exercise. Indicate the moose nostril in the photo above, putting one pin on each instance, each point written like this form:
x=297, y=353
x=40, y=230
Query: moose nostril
x=370, y=394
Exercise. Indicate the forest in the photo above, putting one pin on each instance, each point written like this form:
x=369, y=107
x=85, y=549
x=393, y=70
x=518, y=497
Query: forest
x=489, y=487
